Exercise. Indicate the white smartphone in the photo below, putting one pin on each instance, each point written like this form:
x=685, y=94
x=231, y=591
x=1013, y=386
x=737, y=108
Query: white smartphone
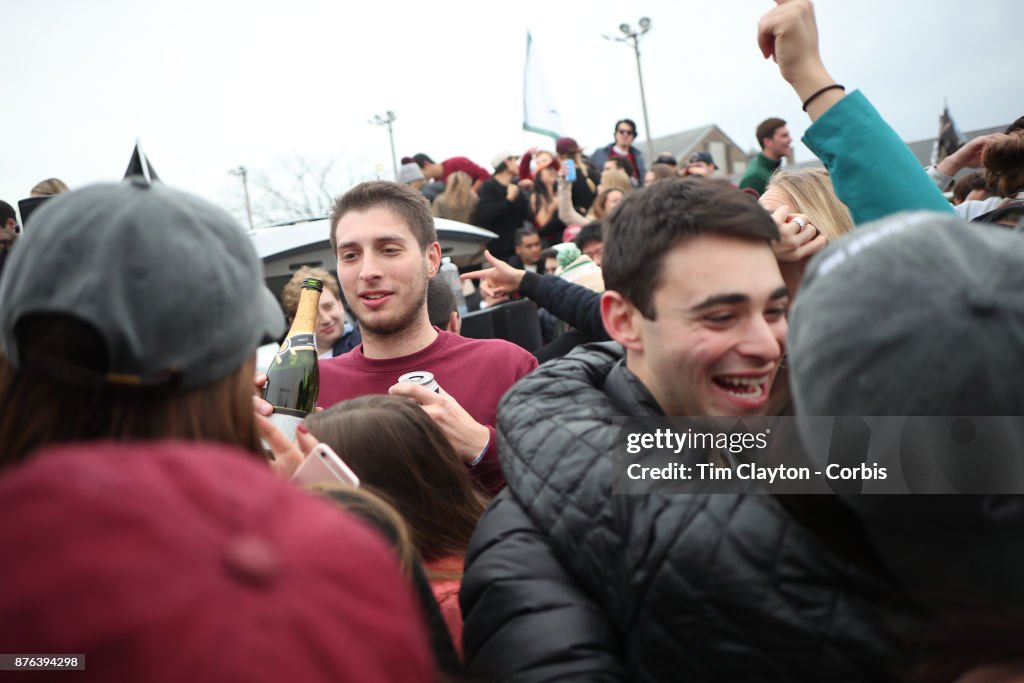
x=324, y=465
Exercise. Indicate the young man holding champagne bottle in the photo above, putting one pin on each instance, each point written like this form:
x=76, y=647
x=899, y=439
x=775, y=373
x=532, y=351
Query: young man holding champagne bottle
x=384, y=239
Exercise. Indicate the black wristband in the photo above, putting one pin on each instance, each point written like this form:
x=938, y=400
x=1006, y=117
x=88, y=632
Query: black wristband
x=823, y=90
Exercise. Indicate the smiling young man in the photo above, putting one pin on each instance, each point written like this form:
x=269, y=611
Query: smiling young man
x=776, y=142
x=387, y=250
x=696, y=306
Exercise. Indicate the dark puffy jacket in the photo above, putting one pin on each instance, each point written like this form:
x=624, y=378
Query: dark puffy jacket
x=566, y=581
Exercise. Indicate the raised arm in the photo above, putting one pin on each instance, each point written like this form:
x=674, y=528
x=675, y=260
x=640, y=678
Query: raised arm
x=575, y=304
x=872, y=170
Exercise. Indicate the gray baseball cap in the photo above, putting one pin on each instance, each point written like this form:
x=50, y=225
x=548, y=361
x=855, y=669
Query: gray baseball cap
x=916, y=314
x=171, y=282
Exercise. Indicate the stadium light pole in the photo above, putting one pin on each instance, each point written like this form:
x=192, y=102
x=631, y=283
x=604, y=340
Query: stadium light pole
x=386, y=120
x=632, y=36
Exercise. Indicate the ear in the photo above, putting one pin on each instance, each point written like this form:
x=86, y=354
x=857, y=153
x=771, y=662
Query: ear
x=433, y=259
x=622, y=320
x=454, y=323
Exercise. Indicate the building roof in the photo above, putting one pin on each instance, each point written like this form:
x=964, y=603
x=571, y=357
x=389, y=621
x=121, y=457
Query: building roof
x=683, y=143
x=922, y=149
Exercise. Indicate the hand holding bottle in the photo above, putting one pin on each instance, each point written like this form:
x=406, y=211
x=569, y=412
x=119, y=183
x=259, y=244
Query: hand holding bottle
x=288, y=454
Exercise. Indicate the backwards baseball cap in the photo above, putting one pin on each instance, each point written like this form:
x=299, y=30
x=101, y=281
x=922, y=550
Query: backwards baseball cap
x=170, y=282
x=566, y=146
x=192, y=561
x=916, y=314
x=701, y=156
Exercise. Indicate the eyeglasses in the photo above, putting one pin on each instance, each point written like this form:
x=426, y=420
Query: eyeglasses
x=626, y=131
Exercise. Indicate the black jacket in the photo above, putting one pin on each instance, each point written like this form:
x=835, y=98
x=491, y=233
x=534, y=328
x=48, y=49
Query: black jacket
x=573, y=303
x=498, y=214
x=566, y=581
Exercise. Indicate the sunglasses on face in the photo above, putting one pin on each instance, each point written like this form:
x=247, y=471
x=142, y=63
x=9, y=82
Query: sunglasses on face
x=625, y=131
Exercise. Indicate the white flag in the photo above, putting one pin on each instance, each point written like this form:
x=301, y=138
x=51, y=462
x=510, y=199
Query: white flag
x=539, y=112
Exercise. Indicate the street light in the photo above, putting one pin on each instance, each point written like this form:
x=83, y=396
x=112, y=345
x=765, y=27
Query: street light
x=242, y=172
x=629, y=35
x=386, y=120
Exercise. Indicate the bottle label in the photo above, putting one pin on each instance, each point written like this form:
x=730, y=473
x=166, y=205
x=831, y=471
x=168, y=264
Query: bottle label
x=298, y=342
x=286, y=421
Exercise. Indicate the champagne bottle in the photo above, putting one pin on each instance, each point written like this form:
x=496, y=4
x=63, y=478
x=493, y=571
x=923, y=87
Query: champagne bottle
x=293, y=379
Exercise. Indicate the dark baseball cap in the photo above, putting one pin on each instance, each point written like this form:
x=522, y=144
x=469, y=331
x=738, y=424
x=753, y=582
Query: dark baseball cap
x=701, y=156
x=916, y=314
x=171, y=282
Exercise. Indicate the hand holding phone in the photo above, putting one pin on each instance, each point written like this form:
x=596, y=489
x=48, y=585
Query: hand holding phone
x=570, y=170
x=324, y=465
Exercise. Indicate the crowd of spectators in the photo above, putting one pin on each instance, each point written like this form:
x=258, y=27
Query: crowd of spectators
x=154, y=530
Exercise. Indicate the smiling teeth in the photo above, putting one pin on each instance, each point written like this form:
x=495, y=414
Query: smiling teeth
x=744, y=387
x=747, y=381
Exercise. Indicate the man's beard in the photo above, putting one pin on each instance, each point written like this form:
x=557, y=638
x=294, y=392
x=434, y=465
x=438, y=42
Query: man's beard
x=403, y=319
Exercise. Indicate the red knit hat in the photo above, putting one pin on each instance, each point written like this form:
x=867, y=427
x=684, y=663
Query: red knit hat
x=175, y=561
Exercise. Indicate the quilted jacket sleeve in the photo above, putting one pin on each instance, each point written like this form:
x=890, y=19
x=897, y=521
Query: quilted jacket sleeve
x=573, y=303
x=524, y=618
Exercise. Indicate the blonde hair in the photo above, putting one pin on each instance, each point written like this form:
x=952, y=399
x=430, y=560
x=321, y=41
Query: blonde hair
x=48, y=187
x=811, y=190
x=458, y=190
x=615, y=179
x=291, y=292
x=597, y=209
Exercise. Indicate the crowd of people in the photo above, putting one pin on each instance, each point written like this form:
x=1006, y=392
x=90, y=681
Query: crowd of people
x=147, y=505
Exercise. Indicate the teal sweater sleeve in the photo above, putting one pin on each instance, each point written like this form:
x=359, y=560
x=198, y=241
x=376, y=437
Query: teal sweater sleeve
x=873, y=171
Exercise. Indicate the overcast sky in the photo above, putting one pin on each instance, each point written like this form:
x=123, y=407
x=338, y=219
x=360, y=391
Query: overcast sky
x=209, y=86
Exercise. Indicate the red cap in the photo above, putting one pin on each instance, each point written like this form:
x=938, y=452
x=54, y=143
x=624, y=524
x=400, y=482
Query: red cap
x=175, y=561
x=566, y=146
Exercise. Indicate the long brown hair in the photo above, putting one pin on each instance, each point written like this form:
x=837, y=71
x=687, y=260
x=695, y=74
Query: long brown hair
x=401, y=455
x=43, y=405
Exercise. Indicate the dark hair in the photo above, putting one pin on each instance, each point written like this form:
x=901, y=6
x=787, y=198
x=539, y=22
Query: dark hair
x=58, y=396
x=406, y=202
x=440, y=302
x=522, y=233
x=401, y=455
x=421, y=159
x=767, y=128
x=591, y=232
x=967, y=184
x=624, y=163
x=6, y=212
x=631, y=123
x=650, y=221
x=550, y=252
x=1004, y=162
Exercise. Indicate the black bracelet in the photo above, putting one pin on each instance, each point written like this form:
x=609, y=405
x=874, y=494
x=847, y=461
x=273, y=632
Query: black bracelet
x=823, y=90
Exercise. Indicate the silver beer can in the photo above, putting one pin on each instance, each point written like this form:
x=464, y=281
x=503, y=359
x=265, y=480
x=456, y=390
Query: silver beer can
x=423, y=378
